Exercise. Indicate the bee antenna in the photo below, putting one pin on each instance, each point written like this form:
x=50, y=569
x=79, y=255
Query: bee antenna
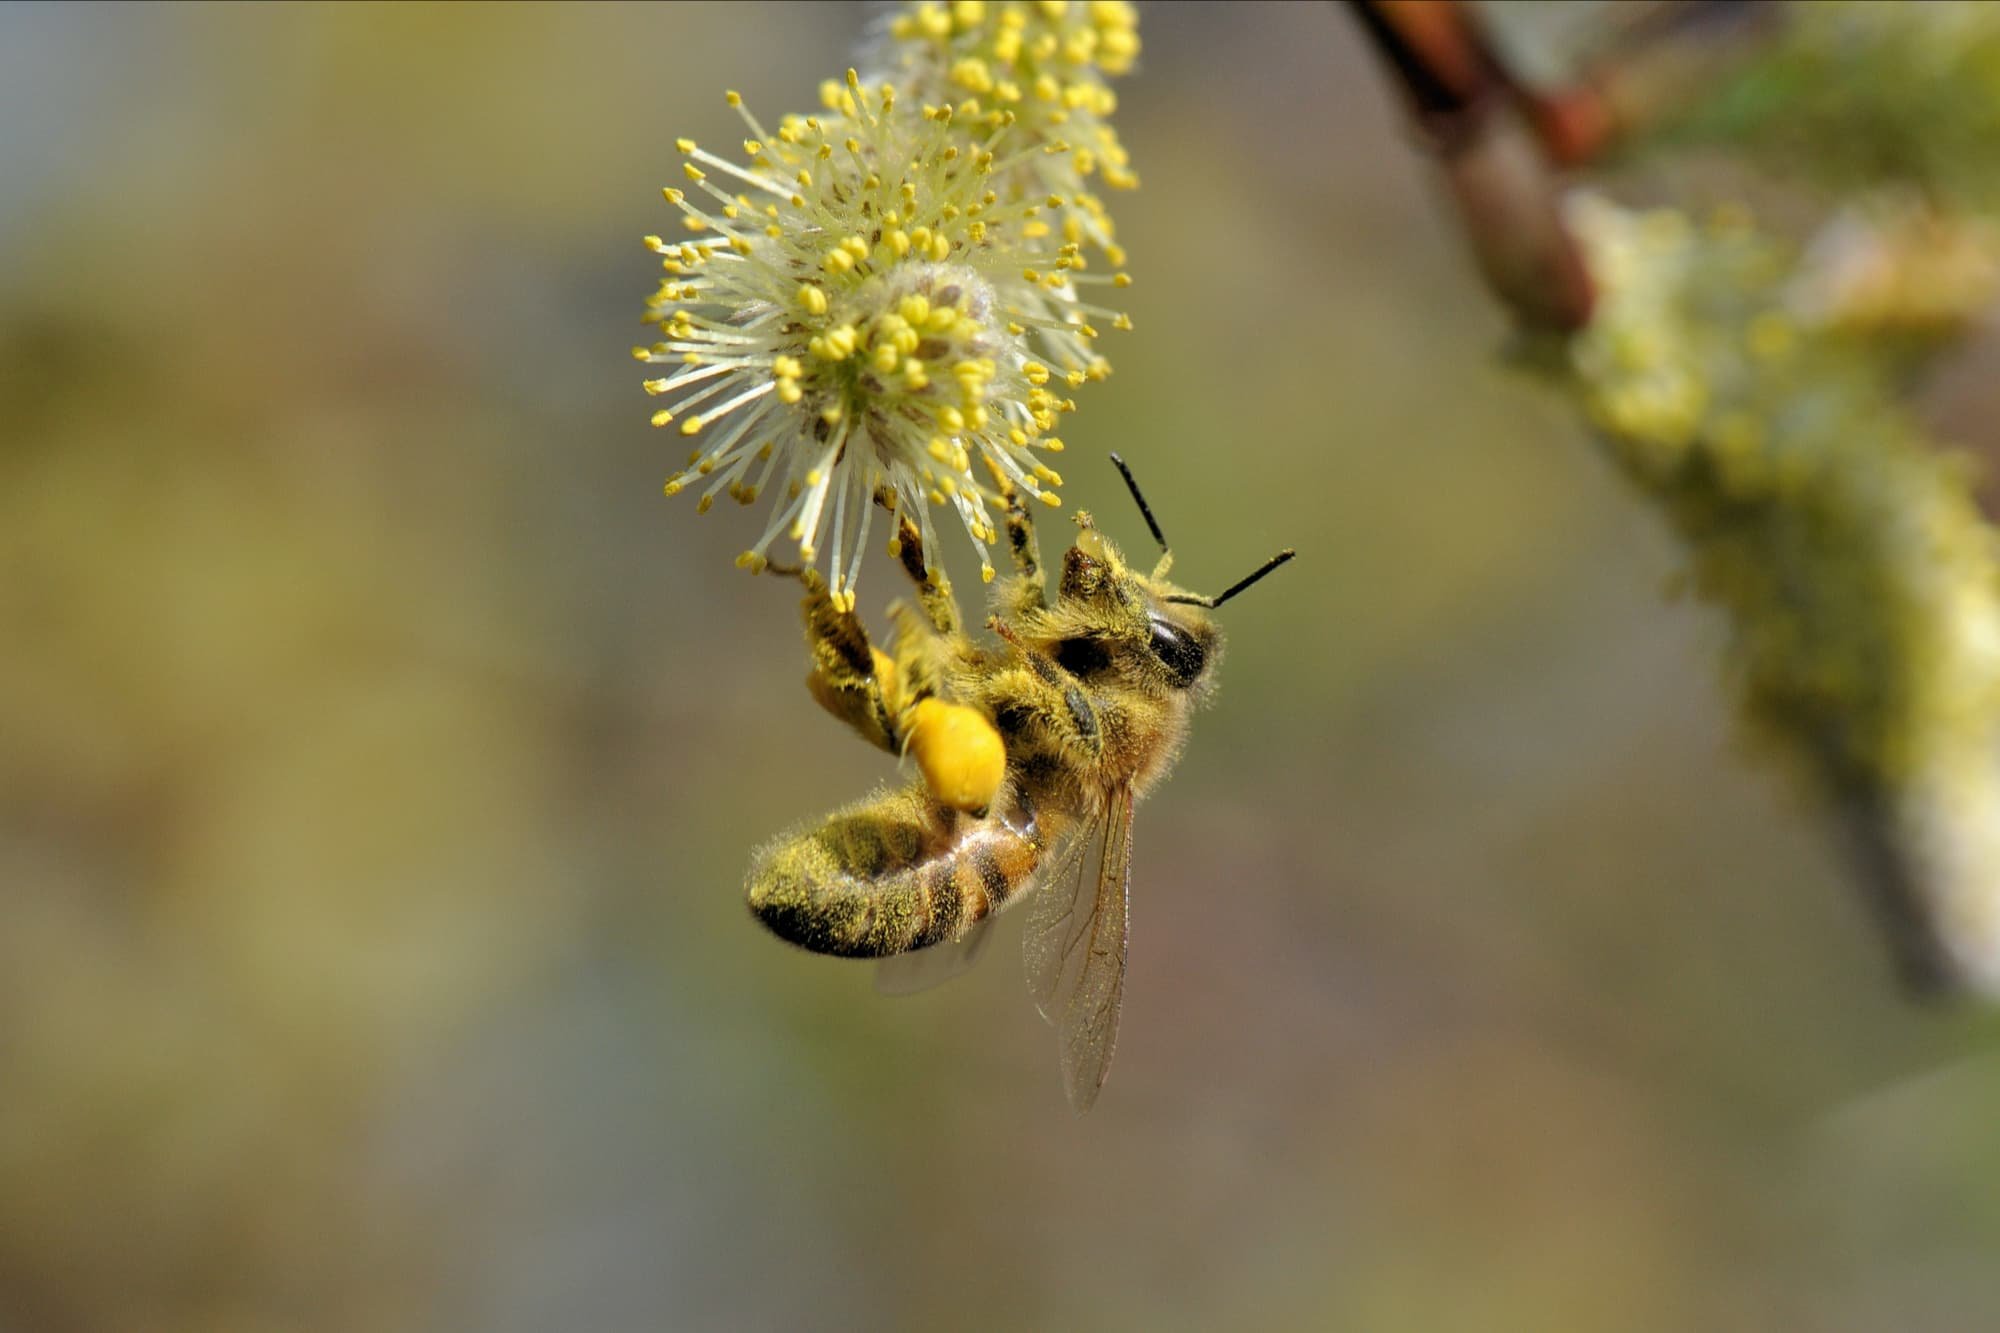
x=1196, y=599
x=1145, y=510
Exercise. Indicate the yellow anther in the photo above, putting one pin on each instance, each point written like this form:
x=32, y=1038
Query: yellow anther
x=812, y=299
x=691, y=425
x=933, y=22
x=1049, y=498
x=693, y=172
x=685, y=145
x=972, y=74
x=674, y=485
x=662, y=417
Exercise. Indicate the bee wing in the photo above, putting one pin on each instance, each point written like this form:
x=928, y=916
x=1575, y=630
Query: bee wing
x=1075, y=948
x=909, y=973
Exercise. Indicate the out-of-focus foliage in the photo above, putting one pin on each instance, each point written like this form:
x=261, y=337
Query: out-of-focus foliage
x=382, y=757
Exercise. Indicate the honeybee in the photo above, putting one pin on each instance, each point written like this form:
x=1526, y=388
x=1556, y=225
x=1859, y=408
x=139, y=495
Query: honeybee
x=1032, y=752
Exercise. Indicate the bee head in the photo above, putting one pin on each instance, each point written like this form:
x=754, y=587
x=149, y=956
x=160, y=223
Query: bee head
x=1109, y=619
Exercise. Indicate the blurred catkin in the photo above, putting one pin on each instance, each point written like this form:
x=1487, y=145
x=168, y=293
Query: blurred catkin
x=1860, y=578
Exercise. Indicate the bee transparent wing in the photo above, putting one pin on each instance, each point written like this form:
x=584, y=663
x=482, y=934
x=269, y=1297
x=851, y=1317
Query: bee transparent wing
x=1075, y=948
x=909, y=973
x=1055, y=908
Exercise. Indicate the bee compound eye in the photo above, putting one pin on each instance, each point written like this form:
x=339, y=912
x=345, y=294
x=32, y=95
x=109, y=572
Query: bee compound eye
x=1083, y=656
x=1180, y=654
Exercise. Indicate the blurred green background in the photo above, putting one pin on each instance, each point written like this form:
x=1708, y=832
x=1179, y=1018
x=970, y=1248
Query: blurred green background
x=380, y=756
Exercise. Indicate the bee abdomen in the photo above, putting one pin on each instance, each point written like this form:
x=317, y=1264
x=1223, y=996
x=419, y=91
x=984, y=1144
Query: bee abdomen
x=895, y=875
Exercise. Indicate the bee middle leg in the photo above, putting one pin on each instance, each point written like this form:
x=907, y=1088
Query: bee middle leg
x=933, y=588
x=1021, y=543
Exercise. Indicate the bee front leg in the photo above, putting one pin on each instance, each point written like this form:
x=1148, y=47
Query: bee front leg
x=1038, y=696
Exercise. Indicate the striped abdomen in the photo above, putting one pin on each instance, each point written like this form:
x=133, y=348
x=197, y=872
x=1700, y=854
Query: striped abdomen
x=896, y=873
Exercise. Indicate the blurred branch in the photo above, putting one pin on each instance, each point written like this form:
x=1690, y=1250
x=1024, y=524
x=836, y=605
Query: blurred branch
x=1503, y=141
x=1768, y=428
x=1497, y=165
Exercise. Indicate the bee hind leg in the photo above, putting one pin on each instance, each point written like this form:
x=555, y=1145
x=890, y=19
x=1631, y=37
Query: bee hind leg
x=850, y=677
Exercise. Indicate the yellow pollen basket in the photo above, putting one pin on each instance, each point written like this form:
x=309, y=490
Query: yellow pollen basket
x=960, y=754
